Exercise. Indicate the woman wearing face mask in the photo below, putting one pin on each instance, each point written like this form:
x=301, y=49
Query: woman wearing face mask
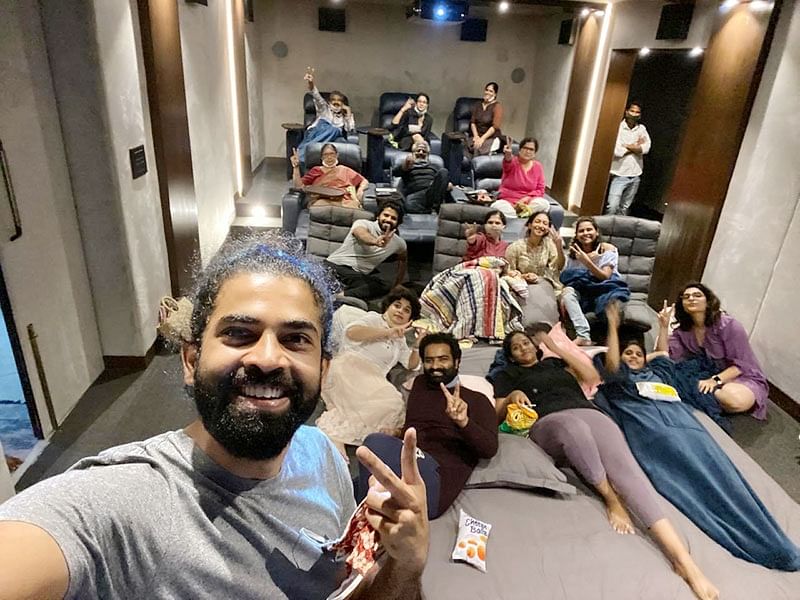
x=573, y=432
x=412, y=123
x=487, y=118
x=719, y=344
x=359, y=400
x=679, y=455
x=489, y=242
x=330, y=174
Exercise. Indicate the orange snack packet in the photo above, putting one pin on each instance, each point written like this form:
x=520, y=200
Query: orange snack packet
x=471, y=541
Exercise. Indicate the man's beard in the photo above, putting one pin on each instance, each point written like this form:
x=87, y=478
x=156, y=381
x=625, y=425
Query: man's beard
x=436, y=376
x=247, y=432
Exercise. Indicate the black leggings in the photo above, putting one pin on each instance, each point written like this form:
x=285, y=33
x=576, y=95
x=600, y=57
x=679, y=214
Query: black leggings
x=388, y=449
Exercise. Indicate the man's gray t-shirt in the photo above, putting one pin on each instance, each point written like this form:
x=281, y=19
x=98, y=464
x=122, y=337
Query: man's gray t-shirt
x=361, y=257
x=159, y=519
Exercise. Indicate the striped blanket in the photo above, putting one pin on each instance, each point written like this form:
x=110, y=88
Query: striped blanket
x=471, y=300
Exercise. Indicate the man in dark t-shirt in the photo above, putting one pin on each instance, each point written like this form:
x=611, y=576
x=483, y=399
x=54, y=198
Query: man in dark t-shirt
x=425, y=186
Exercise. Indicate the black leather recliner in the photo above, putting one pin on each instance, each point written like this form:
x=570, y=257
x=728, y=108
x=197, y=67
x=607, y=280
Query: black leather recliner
x=294, y=211
x=487, y=171
x=389, y=105
x=415, y=227
x=294, y=135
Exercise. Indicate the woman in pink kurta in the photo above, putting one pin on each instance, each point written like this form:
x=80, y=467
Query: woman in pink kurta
x=523, y=175
x=739, y=385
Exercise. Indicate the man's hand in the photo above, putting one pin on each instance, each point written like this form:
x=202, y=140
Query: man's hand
x=530, y=277
x=309, y=76
x=408, y=162
x=456, y=408
x=397, y=507
x=294, y=159
x=384, y=238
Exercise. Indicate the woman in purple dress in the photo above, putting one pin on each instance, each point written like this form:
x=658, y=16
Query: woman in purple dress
x=705, y=331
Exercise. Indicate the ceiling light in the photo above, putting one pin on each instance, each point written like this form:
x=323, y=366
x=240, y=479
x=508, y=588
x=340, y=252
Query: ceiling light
x=600, y=13
x=503, y=6
x=761, y=5
x=728, y=4
x=585, y=12
x=644, y=51
x=696, y=51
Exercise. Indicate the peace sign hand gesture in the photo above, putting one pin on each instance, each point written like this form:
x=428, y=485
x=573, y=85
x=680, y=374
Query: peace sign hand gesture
x=294, y=158
x=309, y=76
x=456, y=408
x=665, y=315
x=507, y=151
x=397, y=506
x=399, y=331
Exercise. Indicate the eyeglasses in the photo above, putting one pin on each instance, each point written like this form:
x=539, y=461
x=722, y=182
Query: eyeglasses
x=528, y=148
x=693, y=295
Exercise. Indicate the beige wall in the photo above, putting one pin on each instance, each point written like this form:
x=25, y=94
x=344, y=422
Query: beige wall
x=382, y=51
x=636, y=24
x=255, y=100
x=754, y=262
x=208, y=102
x=549, y=95
x=44, y=270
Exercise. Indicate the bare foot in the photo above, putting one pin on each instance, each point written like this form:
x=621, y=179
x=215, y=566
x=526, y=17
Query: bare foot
x=619, y=518
x=701, y=586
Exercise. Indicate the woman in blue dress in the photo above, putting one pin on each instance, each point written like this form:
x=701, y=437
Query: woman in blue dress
x=679, y=455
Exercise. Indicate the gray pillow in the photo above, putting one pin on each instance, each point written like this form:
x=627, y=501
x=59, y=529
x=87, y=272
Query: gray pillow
x=540, y=306
x=521, y=464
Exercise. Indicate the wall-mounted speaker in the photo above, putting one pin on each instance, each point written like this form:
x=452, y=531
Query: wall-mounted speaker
x=675, y=21
x=332, y=19
x=566, y=35
x=474, y=30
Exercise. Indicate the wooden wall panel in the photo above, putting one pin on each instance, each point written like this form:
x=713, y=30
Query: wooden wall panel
x=161, y=45
x=588, y=38
x=611, y=110
x=713, y=134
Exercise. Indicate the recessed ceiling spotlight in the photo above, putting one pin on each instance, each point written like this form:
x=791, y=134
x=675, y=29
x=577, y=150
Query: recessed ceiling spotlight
x=503, y=6
x=696, y=51
x=728, y=4
x=644, y=51
x=585, y=12
x=600, y=13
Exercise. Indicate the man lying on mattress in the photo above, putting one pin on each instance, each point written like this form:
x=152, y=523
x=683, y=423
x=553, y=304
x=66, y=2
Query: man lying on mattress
x=455, y=426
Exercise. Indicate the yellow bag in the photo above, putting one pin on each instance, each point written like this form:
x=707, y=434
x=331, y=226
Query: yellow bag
x=519, y=419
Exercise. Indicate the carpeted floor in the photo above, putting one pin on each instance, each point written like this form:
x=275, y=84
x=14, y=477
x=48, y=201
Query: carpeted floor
x=124, y=407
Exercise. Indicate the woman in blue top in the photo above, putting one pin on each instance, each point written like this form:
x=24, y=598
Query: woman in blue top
x=680, y=457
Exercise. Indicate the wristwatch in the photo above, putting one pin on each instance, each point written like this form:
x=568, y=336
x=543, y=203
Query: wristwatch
x=717, y=380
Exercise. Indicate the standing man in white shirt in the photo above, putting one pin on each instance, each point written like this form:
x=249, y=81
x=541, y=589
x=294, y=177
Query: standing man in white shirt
x=633, y=142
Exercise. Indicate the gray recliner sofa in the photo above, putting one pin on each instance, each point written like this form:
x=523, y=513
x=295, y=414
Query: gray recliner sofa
x=294, y=210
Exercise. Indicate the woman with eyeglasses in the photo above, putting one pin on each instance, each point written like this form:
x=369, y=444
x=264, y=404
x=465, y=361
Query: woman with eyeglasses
x=643, y=394
x=522, y=184
x=706, y=332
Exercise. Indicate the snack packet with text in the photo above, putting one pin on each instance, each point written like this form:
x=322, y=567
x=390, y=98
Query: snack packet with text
x=471, y=541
